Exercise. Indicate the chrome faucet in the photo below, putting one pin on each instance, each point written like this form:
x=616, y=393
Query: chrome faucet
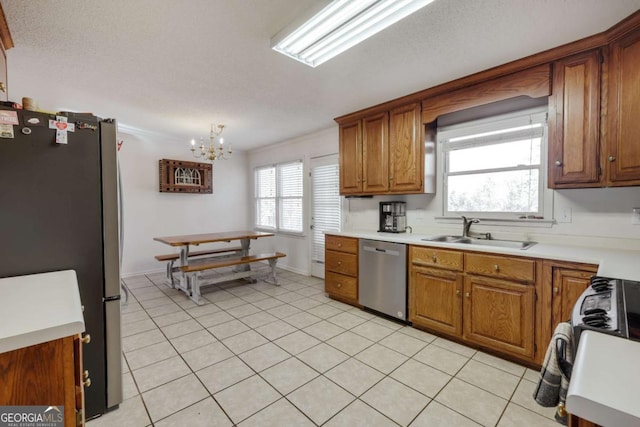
x=466, y=225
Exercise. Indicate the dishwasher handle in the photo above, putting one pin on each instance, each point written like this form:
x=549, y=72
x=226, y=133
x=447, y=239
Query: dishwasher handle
x=382, y=251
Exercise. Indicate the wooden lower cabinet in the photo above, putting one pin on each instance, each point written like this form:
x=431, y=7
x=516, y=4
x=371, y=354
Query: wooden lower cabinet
x=499, y=314
x=341, y=268
x=435, y=299
x=482, y=299
x=563, y=283
x=45, y=374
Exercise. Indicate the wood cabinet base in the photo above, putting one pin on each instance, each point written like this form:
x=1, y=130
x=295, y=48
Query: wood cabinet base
x=44, y=374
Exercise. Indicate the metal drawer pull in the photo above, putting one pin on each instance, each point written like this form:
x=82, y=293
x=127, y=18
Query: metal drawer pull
x=339, y=245
x=611, y=159
x=85, y=375
x=458, y=292
x=496, y=267
x=434, y=258
x=87, y=382
x=339, y=285
x=467, y=294
x=86, y=339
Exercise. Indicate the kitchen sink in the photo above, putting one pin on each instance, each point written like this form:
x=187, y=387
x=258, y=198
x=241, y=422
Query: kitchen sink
x=448, y=239
x=514, y=244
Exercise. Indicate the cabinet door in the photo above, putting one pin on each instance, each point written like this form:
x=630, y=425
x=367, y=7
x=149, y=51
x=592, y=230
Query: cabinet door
x=622, y=153
x=499, y=314
x=350, y=154
x=435, y=300
x=574, y=130
x=568, y=285
x=406, y=149
x=375, y=153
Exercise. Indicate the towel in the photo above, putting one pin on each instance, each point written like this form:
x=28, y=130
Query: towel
x=553, y=385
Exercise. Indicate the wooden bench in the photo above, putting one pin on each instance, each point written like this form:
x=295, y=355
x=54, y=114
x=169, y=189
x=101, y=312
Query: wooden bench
x=193, y=269
x=172, y=258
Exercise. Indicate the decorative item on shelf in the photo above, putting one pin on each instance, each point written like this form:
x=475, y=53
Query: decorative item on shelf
x=178, y=176
x=212, y=152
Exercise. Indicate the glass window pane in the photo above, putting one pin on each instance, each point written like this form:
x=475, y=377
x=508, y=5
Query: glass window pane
x=290, y=179
x=266, y=182
x=291, y=214
x=266, y=213
x=512, y=191
x=504, y=155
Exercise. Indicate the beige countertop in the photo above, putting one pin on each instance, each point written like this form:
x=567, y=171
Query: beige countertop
x=615, y=263
x=37, y=308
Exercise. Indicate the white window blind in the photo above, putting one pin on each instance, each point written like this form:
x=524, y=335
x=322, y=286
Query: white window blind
x=290, y=197
x=266, y=197
x=278, y=197
x=495, y=165
x=325, y=184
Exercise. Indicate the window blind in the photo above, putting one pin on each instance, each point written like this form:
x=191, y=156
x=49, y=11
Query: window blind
x=325, y=182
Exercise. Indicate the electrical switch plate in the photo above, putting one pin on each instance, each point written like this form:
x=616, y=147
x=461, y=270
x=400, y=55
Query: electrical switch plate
x=565, y=215
x=635, y=220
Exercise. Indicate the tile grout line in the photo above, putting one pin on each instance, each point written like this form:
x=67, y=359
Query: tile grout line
x=320, y=341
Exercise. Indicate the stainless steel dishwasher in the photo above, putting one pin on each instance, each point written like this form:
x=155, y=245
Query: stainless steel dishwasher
x=382, y=277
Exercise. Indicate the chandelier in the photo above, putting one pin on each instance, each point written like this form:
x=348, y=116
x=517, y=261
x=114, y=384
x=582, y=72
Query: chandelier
x=212, y=151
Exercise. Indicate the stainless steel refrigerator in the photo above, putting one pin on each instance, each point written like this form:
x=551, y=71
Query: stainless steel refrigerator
x=59, y=210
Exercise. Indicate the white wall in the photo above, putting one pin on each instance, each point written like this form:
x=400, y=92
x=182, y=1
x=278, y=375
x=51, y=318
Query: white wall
x=600, y=216
x=149, y=213
x=314, y=145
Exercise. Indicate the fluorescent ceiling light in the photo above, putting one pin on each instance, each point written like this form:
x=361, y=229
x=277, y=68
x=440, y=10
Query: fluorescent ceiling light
x=340, y=25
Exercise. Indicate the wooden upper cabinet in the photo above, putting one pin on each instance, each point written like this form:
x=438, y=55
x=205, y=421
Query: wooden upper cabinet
x=622, y=150
x=574, y=118
x=383, y=153
x=351, y=158
x=375, y=153
x=406, y=168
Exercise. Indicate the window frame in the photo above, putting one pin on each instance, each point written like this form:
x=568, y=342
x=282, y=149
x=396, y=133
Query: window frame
x=503, y=121
x=278, y=198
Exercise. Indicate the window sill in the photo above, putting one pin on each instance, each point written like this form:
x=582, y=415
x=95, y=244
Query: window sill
x=281, y=233
x=505, y=222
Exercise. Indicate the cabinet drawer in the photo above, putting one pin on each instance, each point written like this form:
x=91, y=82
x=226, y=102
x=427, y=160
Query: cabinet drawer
x=501, y=266
x=341, y=244
x=342, y=263
x=339, y=284
x=431, y=257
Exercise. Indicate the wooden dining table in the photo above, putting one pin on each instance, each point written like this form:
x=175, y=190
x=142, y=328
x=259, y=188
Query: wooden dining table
x=187, y=240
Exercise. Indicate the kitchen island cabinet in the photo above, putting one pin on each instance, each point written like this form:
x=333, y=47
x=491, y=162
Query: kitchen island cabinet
x=46, y=374
x=41, y=345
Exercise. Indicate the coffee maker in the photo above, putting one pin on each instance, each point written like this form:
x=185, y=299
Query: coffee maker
x=393, y=218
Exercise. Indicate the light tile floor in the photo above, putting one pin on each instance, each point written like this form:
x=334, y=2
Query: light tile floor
x=264, y=355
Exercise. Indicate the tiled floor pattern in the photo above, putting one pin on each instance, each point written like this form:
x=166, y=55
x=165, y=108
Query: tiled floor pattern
x=264, y=355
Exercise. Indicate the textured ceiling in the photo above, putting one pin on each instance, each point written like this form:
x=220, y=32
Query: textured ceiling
x=174, y=67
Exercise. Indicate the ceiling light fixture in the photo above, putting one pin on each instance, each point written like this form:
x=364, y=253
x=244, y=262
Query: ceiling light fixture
x=211, y=152
x=339, y=26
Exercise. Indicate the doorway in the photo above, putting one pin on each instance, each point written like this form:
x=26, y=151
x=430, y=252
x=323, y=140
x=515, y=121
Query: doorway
x=325, y=207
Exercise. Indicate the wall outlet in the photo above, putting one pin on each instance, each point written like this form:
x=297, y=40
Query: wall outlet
x=565, y=215
x=635, y=219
